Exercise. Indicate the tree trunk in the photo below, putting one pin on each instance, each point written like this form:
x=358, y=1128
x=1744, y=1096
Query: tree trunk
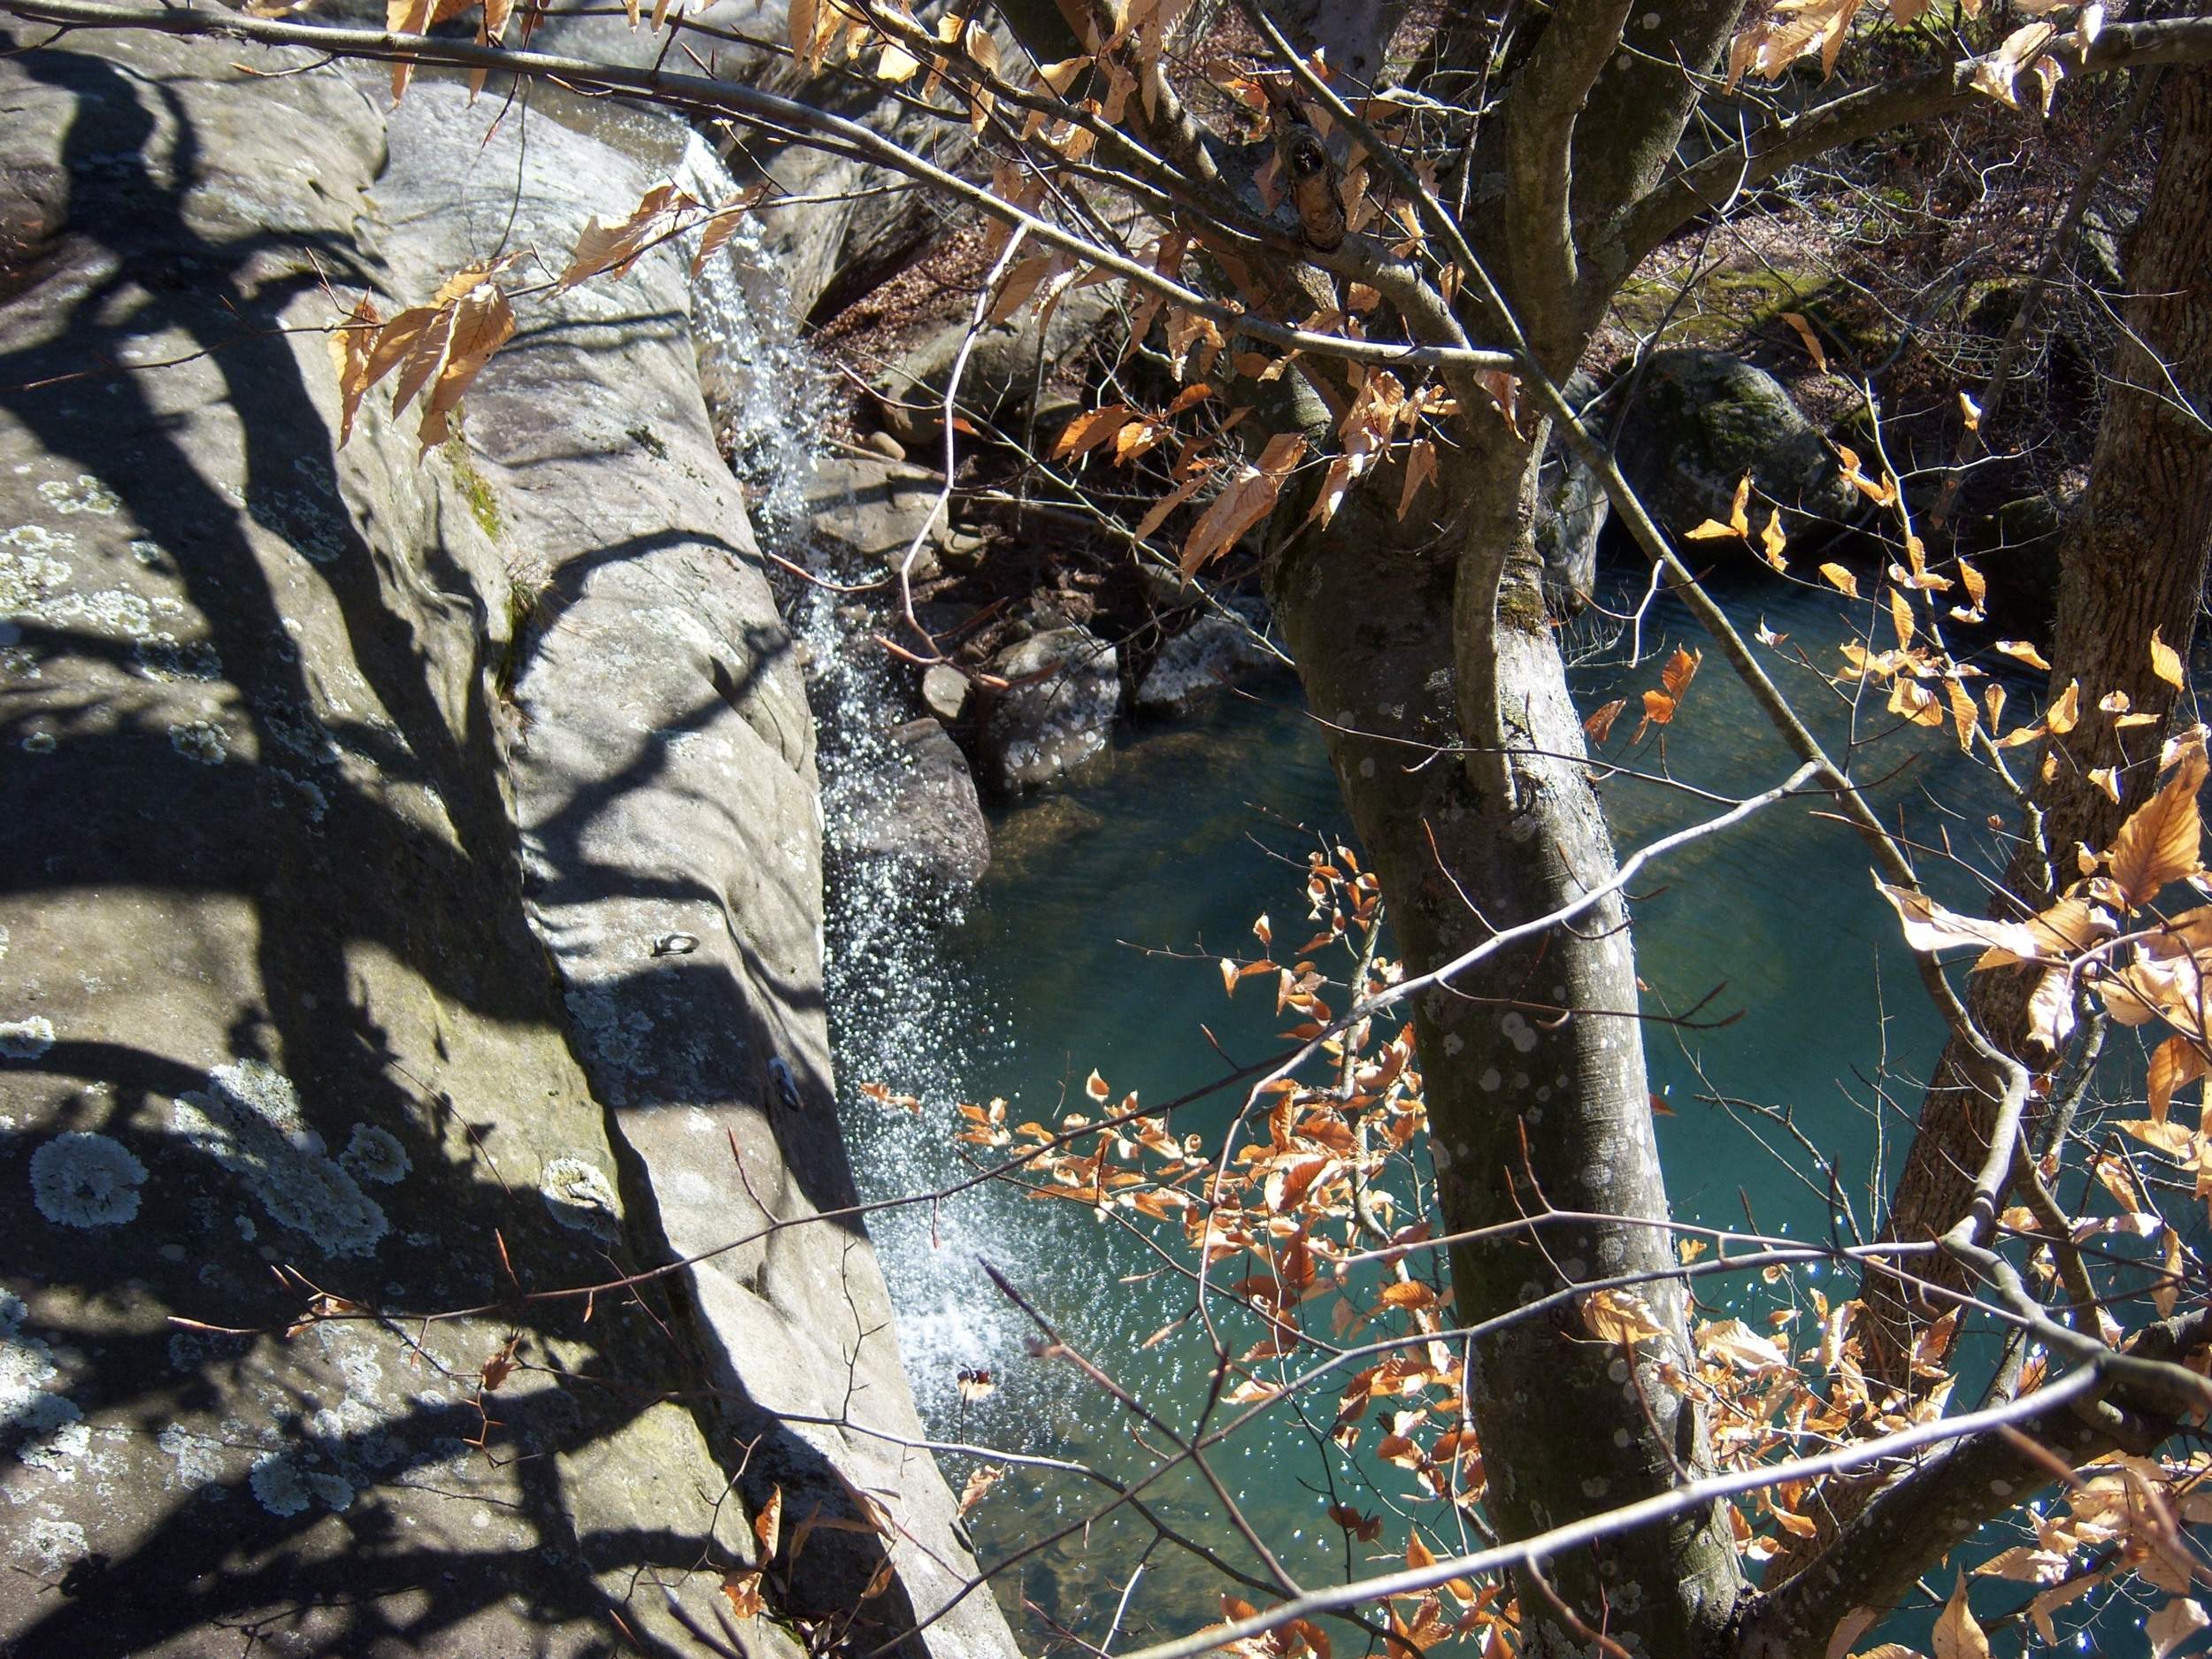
x=2134, y=561
x=1528, y=1109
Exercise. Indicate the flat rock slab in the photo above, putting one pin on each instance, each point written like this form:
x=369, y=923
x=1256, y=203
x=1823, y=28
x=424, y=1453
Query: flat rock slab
x=314, y=756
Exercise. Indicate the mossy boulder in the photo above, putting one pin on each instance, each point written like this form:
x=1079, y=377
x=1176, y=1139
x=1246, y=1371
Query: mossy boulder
x=1693, y=423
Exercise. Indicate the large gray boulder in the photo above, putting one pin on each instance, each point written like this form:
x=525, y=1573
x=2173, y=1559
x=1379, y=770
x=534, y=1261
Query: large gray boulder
x=1695, y=421
x=1195, y=665
x=1057, y=712
x=920, y=811
x=317, y=760
x=1005, y=366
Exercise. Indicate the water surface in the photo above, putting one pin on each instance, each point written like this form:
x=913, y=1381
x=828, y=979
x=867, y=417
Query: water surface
x=1092, y=945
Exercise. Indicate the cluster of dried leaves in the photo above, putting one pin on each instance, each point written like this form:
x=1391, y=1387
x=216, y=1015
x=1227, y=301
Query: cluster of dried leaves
x=1776, y=38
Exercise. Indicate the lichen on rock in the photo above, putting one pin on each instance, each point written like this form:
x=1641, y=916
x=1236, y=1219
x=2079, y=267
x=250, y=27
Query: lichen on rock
x=249, y=1120
x=86, y=1180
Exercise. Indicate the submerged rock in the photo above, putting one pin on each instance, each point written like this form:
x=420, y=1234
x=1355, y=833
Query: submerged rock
x=1196, y=664
x=1057, y=713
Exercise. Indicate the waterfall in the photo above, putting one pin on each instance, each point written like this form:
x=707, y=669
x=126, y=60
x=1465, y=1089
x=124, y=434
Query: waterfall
x=902, y=1012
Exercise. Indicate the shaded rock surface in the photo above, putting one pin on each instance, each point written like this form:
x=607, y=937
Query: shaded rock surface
x=923, y=810
x=355, y=797
x=1057, y=713
x=1002, y=368
x=1696, y=421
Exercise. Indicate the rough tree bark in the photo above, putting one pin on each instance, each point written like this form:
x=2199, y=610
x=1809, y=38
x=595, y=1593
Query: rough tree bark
x=1527, y=1109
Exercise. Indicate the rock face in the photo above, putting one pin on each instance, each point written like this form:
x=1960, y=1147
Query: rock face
x=1057, y=713
x=871, y=506
x=1001, y=370
x=1699, y=420
x=924, y=811
x=412, y=909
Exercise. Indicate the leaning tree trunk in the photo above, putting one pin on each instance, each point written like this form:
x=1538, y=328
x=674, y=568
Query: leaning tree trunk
x=2134, y=561
x=1528, y=1110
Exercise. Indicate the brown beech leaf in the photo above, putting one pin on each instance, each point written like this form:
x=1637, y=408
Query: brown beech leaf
x=2165, y=661
x=1243, y=504
x=483, y=321
x=1408, y=1292
x=2174, y=1065
x=1771, y=541
x=350, y=344
x=1957, y=1634
x=768, y=1524
x=660, y=214
x=978, y=1483
x=743, y=1589
x=2162, y=840
x=1366, y=1528
x=1994, y=73
x=2173, y=1624
x=1092, y=428
x=723, y=223
x=1420, y=469
x=1804, y=330
x=1930, y=926
x=1620, y=1315
x=1965, y=715
x=2025, y=652
x=2050, y=1015
x=1599, y=724
x=1842, y=580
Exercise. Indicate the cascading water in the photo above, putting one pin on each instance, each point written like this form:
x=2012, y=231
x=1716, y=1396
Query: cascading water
x=901, y=1011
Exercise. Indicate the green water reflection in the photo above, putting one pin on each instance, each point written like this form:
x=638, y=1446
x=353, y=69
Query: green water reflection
x=1092, y=944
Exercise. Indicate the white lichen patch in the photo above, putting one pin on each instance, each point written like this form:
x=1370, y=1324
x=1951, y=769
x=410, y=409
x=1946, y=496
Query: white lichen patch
x=202, y=741
x=86, y=1180
x=27, y=1365
x=85, y=493
x=199, y=1457
x=26, y=1039
x=614, y=1036
x=48, y=1546
x=56, y=1435
x=580, y=1197
x=277, y=1485
x=375, y=1155
x=249, y=1120
x=285, y=1489
x=30, y=572
x=40, y=743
